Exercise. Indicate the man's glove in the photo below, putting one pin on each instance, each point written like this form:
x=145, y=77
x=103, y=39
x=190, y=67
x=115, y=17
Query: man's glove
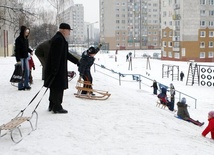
x=34, y=68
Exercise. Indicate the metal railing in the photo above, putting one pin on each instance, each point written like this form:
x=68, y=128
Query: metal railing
x=138, y=78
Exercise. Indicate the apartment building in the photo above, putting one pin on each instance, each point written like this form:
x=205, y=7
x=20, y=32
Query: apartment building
x=187, y=30
x=74, y=15
x=130, y=24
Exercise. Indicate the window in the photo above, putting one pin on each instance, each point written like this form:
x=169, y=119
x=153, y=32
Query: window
x=202, y=34
x=211, y=13
x=211, y=34
x=211, y=2
x=210, y=44
x=202, y=44
x=164, y=53
x=170, y=54
x=169, y=44
x=164, y=44
x=170, y=33
x=202, y=2
x=183, y=52
x=164, y=33
x=203, y=23
x=210, y=54
x=211, y=23
x=202, y=54
x=177, y=55
x=202, y=12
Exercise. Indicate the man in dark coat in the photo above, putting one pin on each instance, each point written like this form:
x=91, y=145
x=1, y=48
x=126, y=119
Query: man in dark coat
x=86, y=61
x=56, y=68
x=21, y=53
x=42, y=53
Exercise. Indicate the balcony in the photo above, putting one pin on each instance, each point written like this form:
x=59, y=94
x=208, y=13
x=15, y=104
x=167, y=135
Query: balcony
x=176, y=38
x=176, y=17
x=176, y=48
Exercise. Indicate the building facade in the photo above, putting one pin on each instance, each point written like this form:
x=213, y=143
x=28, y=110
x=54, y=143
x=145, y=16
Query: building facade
x=187, y=30
x=130, y=24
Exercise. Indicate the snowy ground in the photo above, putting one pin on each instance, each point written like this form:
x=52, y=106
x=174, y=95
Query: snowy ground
x=128, y=123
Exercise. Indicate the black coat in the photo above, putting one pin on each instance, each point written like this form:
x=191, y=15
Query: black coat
x=86, y=62
x=56, y=65
x=21, y=45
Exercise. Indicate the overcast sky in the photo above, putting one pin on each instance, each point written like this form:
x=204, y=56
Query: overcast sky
x=91, y=10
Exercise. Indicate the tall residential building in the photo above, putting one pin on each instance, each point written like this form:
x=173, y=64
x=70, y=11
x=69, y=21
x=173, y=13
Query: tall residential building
x=74, y=15
x=187, y=30
x=130, y=24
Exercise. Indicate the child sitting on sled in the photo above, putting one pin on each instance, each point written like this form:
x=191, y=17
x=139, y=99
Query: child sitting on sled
x=210, y=127
x=164, y=100
x=184, y=114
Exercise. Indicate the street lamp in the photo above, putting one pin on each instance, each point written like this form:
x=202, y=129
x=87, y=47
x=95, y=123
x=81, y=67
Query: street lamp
x=88, y=30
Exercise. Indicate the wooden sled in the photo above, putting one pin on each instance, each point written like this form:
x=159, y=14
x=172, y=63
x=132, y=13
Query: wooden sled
x=92, y=94
x=159, y=104
x=15, y=124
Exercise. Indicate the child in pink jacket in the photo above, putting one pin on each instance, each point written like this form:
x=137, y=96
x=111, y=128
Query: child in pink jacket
x=210, y=127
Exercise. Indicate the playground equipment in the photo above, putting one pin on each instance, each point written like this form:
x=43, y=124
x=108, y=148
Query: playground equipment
x=168, y=70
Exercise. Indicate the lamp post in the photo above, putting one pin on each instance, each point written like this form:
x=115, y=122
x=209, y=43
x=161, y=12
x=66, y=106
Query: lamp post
x=88, y=30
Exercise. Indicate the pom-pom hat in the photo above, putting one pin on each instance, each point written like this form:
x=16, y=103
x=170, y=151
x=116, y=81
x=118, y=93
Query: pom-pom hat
x=211, y=114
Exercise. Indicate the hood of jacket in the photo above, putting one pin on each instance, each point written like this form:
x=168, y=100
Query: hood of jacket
x=180, y=104
x=22, y=31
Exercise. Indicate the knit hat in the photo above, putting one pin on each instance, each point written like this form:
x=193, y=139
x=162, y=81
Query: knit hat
x=211, y=114
x=92, y=50
x=183, y=100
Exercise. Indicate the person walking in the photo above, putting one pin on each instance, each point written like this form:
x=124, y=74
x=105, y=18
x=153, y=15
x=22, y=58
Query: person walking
x=181, y=76
x=184, y=114
x=155, y=87
x=56, y=68
x=172, y=96
x=21, y=53
x=42, y=53
x=210, y=127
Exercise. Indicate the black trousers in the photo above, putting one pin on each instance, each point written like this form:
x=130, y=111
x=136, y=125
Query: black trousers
x=56, y=98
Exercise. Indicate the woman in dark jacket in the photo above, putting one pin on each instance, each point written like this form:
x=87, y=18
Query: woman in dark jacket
x=184, y=114
x=155, y=87
x=21, y=53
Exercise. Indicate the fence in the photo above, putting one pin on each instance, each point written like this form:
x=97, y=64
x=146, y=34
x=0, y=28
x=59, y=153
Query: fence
x=138, y=78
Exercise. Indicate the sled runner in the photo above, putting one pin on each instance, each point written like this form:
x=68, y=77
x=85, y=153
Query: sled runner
x=91, y=93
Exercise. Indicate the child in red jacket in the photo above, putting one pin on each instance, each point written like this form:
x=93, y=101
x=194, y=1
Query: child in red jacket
x=31, y=65
x=210, y=127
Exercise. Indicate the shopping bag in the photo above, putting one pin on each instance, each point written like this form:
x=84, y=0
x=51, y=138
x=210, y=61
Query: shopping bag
x=17, y=74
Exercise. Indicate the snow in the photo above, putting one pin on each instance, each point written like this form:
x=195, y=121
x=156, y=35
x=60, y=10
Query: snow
x=127, y=123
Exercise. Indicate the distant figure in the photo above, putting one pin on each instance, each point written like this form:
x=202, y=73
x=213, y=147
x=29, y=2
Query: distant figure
x=181, y=76
x=172, y=95
x=155, y=87
x=210, y=127
x=127, y=57
x=184, y=114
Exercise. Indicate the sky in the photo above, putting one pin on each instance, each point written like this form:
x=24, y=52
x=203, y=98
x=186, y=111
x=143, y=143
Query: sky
x=91, y=8
x=127, y=123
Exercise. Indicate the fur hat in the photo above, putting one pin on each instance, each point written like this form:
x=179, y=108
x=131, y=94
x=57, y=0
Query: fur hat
x=211, y=114
x=183, y=100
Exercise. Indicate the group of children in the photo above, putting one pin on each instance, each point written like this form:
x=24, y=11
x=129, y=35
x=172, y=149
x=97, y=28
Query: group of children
x=182, y=111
